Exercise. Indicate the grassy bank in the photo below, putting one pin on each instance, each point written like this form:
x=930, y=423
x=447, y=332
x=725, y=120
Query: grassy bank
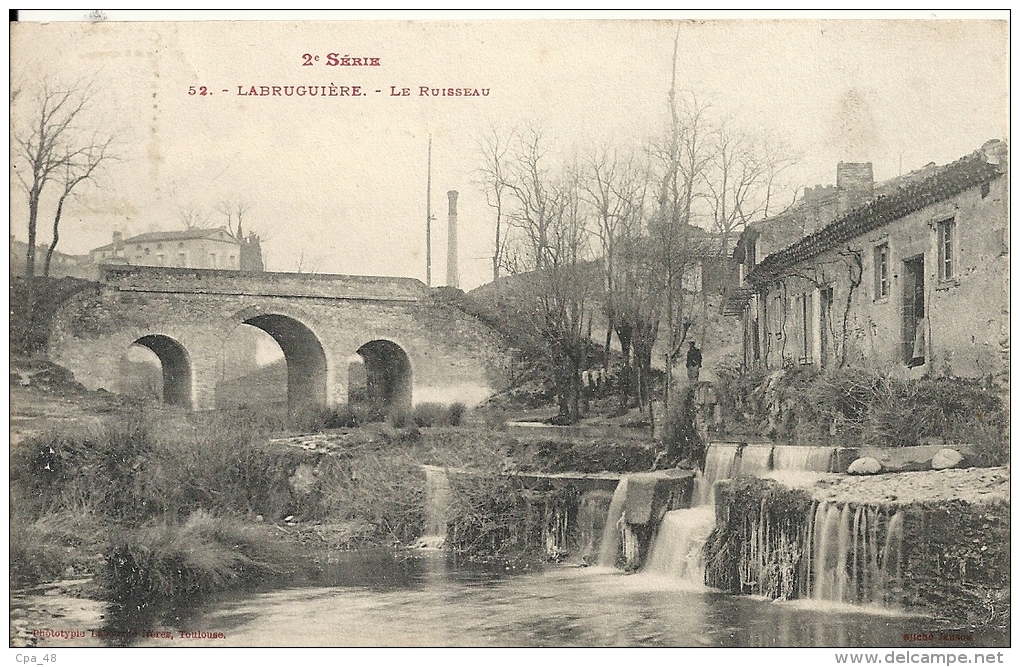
x=854, y=407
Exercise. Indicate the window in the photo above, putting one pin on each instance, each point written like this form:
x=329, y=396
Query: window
x=947, y=249
x=159, y=260
x=212, y=260
x=182, y=259
x=882, y=271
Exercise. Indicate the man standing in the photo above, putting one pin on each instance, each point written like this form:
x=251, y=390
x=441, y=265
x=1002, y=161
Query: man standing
x=693, y=364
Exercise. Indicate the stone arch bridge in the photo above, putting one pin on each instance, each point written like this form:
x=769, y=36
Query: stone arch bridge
x=415, y=347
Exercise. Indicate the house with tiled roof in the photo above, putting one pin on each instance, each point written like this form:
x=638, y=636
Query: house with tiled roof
x=915, y=279
x=205, y=248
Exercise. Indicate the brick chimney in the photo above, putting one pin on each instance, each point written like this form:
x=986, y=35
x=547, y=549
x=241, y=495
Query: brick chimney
x=855, y=185
x=452, y=279
x=118, y=239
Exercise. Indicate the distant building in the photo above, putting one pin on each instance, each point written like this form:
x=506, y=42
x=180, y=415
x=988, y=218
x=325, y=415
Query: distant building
x=916, y=278
x=62, y=265
x=213, y=248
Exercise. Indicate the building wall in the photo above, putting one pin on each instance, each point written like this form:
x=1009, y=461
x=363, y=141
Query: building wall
x=453, y=356
x=967, y=317
x=215, y=252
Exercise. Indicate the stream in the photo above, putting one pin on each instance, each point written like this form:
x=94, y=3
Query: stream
x=422, y=599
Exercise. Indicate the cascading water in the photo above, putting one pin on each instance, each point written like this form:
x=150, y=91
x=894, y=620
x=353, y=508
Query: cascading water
x=720, y=463
x=592, y=510
x=815, y=459
x=612, y=534
x=437, y=504
x=678, y=550
x=851, y=555
x=755, y=459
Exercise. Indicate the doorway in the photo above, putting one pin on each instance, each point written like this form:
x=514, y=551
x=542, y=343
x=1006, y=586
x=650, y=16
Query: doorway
x=914, y=352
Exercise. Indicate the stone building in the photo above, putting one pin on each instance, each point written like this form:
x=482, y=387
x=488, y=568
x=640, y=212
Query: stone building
x=213, y=248
x=915, y=280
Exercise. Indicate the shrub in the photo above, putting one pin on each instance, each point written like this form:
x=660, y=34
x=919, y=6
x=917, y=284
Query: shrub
x=861, y=406
x=384, y=489
x=493, y=518
x=205, y=554
x=455, y=414
x=429, y=414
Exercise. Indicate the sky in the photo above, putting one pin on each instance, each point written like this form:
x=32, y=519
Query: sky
x=338, y=184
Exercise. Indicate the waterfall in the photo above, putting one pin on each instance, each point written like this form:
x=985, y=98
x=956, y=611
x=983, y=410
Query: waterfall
x=612, y=537
x=437, y=504
x=720, y=463
x=755, y=459
x=678, y=549
x=592, y=510
x=843, y=557
x=816, y=459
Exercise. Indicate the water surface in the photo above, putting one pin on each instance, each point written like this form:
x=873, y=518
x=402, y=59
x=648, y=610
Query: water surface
x=386, y=599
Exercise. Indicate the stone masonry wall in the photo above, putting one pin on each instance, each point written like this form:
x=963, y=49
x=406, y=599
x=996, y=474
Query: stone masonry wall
x=453, y=356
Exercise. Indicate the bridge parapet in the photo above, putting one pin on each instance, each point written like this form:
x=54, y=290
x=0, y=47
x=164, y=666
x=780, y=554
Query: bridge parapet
x=168, y=280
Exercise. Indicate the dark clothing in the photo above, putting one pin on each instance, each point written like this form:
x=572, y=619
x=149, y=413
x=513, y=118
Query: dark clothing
x=693, y=358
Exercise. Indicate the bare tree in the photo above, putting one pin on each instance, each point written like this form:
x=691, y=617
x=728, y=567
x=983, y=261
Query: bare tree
x=495, y=149
x=78, y=169
x=193, y=217
x=553, y=246
x=235, y=208
x=54, y=145
x=683, y=158
x=615, y=186
x=743, y=179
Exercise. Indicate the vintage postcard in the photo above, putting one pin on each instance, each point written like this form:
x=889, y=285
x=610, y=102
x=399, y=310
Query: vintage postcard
x=443, y=330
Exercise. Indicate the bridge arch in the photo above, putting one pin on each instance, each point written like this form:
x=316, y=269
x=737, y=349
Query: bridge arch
x=389, y=376
x=307, y=363
x=176, y=368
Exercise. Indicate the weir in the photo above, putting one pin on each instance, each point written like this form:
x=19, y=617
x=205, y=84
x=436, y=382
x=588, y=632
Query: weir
x=660, y=522
x=437, y=507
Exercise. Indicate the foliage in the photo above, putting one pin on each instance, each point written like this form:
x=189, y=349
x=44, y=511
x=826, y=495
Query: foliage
x=204, y=554
x=493, y=517
x=148, y=465
x=436, y=414
x=314, y=419
x=756, y=545
x=861, y=406
x=583, y=456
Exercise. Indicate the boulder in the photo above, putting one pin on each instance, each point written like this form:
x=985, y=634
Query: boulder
x=946, y=458
x=901, y=459
x=865, y=466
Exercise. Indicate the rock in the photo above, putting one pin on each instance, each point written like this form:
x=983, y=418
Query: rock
x=946, y=458
x=865, y=466
x=901, y=459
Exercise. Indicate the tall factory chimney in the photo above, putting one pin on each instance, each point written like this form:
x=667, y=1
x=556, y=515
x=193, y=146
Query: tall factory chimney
x=451, y=239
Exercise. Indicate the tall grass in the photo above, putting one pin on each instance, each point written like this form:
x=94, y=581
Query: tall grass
x=863, y=406
x=166, y=560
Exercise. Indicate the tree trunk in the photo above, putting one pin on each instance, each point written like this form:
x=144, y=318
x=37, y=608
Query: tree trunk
x=623, y=333
x=56, y=236
x=609, y=340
